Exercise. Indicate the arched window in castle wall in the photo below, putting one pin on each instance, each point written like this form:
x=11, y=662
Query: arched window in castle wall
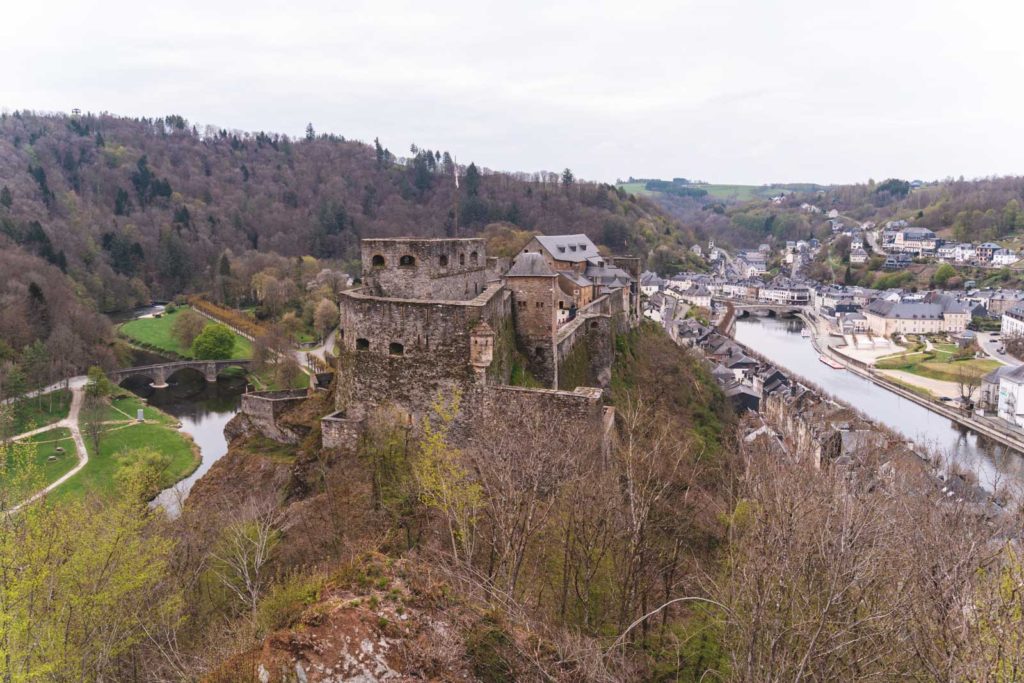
x=377, y=261
x=443, y=261
x=396, y=349
x=362, y=344
x=407, y=261
x=473, y=258
x=462, y=259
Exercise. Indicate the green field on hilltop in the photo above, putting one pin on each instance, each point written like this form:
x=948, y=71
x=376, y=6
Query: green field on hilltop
x=727, y=192
x=634, y=188
x=155, y=333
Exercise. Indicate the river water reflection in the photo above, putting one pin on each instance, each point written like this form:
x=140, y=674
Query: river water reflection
x=203, y=408
x=780, y=341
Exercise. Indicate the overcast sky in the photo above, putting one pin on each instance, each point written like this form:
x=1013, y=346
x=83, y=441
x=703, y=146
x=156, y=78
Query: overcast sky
x=736, y=91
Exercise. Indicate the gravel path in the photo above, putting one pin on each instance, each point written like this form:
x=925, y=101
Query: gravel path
x=71, y=422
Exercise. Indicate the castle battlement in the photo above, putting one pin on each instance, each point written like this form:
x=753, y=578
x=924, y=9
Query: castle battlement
x=431, y=321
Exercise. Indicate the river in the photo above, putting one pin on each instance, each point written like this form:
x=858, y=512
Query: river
x=203, y=409
x=779, y=340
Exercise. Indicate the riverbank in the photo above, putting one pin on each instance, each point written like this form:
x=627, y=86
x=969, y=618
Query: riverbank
x=987, y=427
x=940, y=438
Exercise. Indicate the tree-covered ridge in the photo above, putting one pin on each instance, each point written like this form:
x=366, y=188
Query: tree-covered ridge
x=132, y=208
x=977, y=210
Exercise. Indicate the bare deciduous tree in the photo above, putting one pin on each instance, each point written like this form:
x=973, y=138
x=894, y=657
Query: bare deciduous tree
x=245, y=549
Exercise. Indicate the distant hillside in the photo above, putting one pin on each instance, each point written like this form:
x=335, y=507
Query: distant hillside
x=744, y=215
x=131, y=209
x=730, y=193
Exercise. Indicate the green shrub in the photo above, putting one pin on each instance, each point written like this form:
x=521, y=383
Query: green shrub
x=287, y=600
x=489, y=649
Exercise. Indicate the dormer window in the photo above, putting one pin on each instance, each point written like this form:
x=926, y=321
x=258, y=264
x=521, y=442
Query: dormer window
x=561, y=250
x=572, y=247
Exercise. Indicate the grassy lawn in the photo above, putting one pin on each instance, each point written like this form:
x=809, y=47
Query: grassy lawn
x=939, y=365
x=899, y=361
x=912, y=388
x=155, y=333
x=33, y=413
x=46, y=445
x=99, y=475
x=264, y=380
x=125, y=406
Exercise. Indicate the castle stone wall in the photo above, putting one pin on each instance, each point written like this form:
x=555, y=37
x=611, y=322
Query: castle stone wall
x=264, y=408
x=404, y=352
x=535, y=302
x=585, y=352
x=439, y=269
x=340, y=432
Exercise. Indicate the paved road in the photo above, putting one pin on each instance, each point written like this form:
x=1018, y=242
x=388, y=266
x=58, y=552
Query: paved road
x=320, y=352
x=71, y=422
x=991, y=347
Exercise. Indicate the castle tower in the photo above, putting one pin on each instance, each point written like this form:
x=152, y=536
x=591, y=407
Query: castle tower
x=534, y=287
x=481, y=350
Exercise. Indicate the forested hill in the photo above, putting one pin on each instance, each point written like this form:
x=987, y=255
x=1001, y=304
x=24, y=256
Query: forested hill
x=100, y=213
x=983, y=209
x=131, y=208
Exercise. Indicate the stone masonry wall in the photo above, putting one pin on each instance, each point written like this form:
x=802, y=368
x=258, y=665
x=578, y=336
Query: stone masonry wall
x=264, y=408
x=534, y=302
x=340, y=432
x=438, y=269
x=406, y=352
x=502, y=408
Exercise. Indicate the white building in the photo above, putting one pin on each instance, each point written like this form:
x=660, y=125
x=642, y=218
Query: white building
x=1011, y=396
x=858, y=256
x=1004, y=257
x=965, y=252
x=697, y=295
x=917, y=241
x=1012, y=324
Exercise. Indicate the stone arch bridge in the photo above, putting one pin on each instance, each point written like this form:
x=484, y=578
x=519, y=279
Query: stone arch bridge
x=159, y=373
x=773, y=310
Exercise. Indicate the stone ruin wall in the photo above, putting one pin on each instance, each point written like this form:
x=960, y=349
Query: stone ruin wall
x=585, y=352
x=263, y=410
x=435, y=348
x=441, y=269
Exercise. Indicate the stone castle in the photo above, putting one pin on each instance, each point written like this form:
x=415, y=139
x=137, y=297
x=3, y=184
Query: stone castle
x=438, y=318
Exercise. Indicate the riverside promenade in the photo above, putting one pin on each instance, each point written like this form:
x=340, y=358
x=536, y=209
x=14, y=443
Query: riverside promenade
x=988, y=427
